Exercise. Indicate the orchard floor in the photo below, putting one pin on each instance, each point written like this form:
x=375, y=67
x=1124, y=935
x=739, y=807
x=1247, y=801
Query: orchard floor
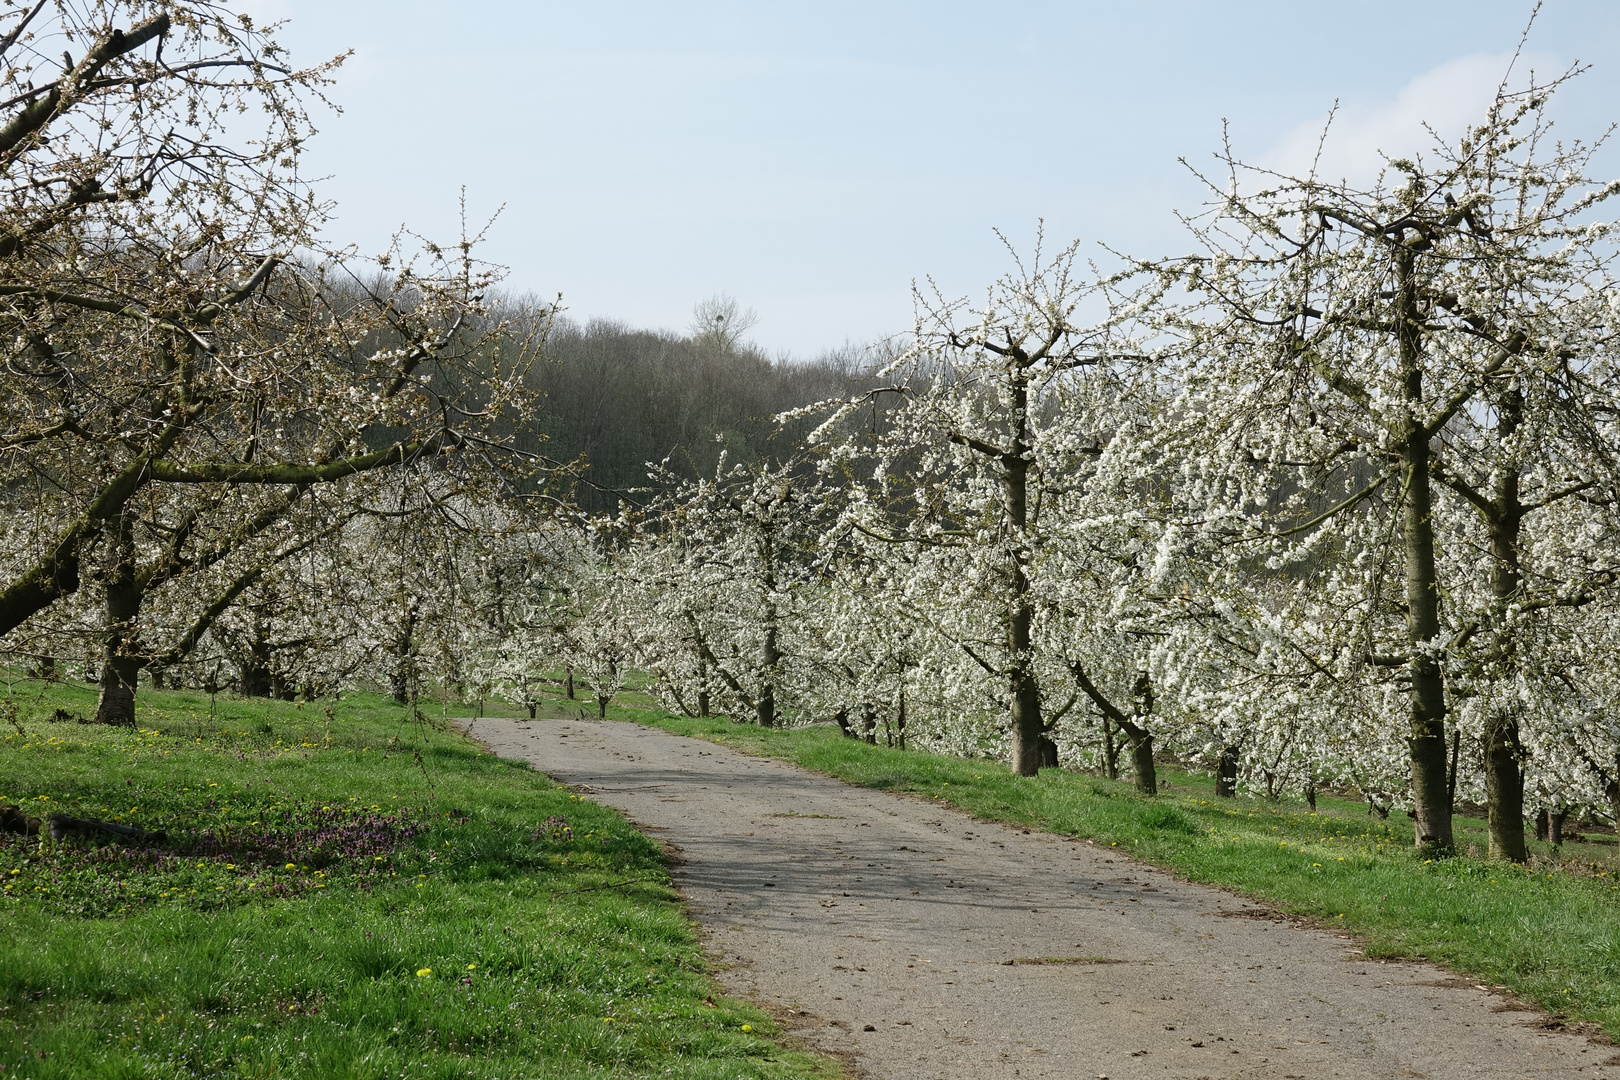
x=918, y=942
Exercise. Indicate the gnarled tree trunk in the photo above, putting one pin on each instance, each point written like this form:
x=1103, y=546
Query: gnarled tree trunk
x=120, y=668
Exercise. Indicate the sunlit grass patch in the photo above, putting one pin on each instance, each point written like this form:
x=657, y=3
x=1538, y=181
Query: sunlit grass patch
x=344, y=889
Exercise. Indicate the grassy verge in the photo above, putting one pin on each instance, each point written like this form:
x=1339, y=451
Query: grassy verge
x=344, y=891
x=1549, y=932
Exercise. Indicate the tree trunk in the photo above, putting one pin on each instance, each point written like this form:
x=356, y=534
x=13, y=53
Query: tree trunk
x=568, y=684
x=765, y=706
x=1504, y=755
x=1110, y=750
x=1427, y=743
x=1611, y=792
x=900, y=723
x=1541, y=824
x=869, y=723
x=703, y=680
x=400, y=680
x=255, y=667
x=1147, y=777
x=1451, y=772
x=1555, y=825
x=1049, y=753
x=1504, y=790
x=1141, y=740
x=1028, y=729
x=1310, y=793
x=1226, y=774
x=116, y=701
x=119, y=668
x=770, y=656
x=601, y=706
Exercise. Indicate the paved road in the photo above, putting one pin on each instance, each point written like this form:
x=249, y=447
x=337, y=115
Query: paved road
x=880, y=927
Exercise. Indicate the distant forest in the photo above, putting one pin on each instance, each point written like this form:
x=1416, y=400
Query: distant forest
x=618, y=398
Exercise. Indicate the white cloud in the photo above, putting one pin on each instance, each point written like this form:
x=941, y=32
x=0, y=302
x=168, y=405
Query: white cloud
x=1447, y=98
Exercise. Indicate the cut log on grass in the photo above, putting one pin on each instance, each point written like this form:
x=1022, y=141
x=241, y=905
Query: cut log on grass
x=63, y=826
x=13, y=820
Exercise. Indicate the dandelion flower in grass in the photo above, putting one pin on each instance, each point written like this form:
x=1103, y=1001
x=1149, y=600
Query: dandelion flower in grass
x=422, y=973
x=292, y=866
x=470, y=967
x=748, y=1027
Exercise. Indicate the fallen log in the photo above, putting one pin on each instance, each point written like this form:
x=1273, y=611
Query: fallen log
x=13, y=820
x=63, y=826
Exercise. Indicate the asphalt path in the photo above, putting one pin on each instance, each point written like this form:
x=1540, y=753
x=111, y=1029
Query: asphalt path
x=896, y=934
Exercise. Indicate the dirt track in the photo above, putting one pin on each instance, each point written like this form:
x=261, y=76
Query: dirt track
x=881, y=928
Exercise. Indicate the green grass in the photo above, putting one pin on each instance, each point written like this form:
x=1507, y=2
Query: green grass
x=1549, y=932
x=345, y=891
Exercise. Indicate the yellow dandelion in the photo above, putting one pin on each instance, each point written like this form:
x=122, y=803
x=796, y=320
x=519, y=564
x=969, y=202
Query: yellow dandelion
x=422, y=973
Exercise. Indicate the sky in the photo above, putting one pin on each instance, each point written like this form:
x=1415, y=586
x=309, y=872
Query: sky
x=814, y=160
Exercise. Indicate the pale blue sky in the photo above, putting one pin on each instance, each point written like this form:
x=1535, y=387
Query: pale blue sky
x=812, y=159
